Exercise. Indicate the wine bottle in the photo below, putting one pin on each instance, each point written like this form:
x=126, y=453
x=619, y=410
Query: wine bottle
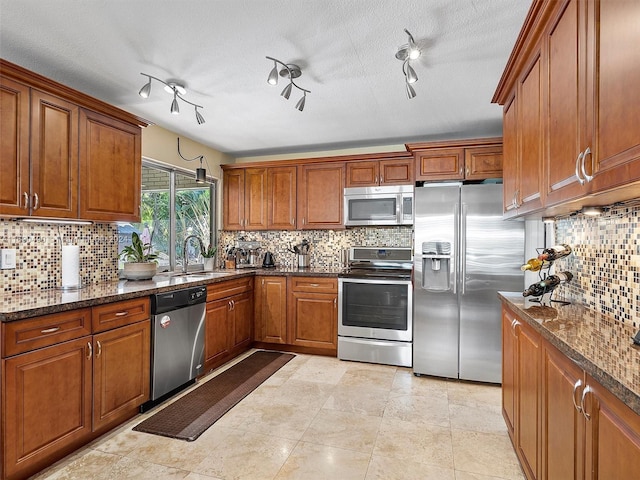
x=554, y=253
x=534, y=265
x=547, y=285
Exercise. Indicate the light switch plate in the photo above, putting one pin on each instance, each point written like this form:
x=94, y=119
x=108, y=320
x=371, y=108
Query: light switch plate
x=7, y=258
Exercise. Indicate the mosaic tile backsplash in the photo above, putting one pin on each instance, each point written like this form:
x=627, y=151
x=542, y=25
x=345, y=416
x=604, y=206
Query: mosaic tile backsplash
x=38, y=254
x=605, y=262
x=327, y=245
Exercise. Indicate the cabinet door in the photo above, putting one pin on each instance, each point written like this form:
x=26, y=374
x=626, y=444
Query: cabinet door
x=110, y=168
x=613, y=436
x=218, y=332
x=54, y=156
x=509, y=372
x=482, y=162
x=255, y=199
x=563, y=99
x=528, y=194
x=314, y=320
x=440, y=164
x=14, y=147
x=511, y=161
x=363, y=174
x=528, y=398
x=281, y=198
x=121, y=373
x=397, y=172
x=613, y=114
x=242, y=319
x=271, y=326
x=320, y=196
x=47, y=416
x=562, y=423
x=233, y=199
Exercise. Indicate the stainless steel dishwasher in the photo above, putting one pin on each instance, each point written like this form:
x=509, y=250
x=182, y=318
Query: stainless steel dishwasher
x=177, y=339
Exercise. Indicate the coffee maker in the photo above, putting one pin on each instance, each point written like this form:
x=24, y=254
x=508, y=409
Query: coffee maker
x=248, y=254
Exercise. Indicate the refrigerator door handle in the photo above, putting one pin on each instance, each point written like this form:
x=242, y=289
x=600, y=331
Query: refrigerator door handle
x=456, y=227
x=463, y=249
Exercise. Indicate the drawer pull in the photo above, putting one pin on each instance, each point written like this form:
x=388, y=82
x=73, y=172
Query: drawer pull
x=122, y=314
x=314, y=284
x=50, y=330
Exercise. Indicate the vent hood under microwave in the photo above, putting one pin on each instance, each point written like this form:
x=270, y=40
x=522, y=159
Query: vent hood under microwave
x=388, y=205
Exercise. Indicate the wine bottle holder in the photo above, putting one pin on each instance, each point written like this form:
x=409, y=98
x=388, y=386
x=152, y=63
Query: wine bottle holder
x=542, y=274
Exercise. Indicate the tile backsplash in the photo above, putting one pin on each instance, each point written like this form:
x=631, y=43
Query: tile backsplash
x=38, y=254
x=327, y=245
x=605, y=262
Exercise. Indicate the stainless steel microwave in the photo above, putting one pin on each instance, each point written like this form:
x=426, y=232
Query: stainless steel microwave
x=388, y=205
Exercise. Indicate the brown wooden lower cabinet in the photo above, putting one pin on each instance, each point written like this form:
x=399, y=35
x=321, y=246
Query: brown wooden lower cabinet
x=59, y=395
x=229, y=321
x=297, y=313
x=566, y=425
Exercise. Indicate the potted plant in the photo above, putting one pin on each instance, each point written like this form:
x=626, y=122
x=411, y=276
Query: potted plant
x=209, y=257
x=139, y=261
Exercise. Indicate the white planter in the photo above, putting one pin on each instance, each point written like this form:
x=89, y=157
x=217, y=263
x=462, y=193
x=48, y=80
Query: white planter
x=209, y=263
x=140, y=271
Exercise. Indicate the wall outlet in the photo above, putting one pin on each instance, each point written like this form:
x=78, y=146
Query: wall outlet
x=7, y=258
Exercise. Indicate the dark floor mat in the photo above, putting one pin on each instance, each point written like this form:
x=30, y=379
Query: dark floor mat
x=192, y=414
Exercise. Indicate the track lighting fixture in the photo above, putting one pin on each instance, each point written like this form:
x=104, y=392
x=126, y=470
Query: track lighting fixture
x=290, y=71
x=201, y=172
x=176, y=90
x=408, y=51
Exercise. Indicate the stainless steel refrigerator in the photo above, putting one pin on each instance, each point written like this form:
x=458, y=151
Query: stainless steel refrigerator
x=464, y=254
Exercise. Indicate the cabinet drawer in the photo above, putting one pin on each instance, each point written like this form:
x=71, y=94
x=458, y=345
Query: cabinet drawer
x=314, y=284
x=217, y=291
x=24, y=335
x=118, y=314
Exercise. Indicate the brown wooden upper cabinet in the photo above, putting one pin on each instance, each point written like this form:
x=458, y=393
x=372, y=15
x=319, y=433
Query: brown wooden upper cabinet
x=281, y=198
x=245, y=199
x=64, y=154
x=320, y=196
x=395, y=171
x=579, y=62
x=476, y=159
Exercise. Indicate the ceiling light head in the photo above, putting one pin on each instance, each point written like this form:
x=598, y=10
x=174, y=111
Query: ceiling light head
x=273, y=75
x=301, y=102
x=172, y=86
x=410, y=73
x=409, y=50
x=175, y=108
x=201, y=175
x=146, y=89
x=411, y=93
x=199, y=117
x=287, y=91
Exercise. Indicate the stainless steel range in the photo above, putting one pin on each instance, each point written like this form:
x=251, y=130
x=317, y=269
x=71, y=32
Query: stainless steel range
x=375, y=319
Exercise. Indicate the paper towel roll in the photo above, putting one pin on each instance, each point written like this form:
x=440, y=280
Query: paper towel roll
x=70, y=266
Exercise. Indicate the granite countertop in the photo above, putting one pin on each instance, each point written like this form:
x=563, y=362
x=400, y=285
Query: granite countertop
x=19, y=306
x=598, y=344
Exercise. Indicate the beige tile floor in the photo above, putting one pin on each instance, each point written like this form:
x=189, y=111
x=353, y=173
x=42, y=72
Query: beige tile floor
x=322, y=418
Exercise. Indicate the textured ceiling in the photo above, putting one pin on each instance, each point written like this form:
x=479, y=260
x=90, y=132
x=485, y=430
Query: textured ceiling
x=346, y=49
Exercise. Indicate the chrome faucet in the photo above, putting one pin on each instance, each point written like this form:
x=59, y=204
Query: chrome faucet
x=185, y=259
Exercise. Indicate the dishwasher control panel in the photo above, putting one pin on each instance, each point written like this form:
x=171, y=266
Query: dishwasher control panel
x=168, y=301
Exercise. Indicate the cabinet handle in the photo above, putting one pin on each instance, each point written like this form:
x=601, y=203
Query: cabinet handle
x=576, y=386
x=335, y=302
x=514, y=325
x=578, y=159
x=293, y=221
x=304, y=221
x=314, y=284
x=122, y=314
x=25, y=195
x=50, y=330
x=381, y=179
x=36, y=201
x=375, y=179
x=587, y=389
x=587, y=177
x=90, y=351
x=467, y=172
x=99, y=349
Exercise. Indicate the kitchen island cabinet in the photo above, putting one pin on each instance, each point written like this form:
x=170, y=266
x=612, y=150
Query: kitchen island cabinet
x=577, y=427
x=63, y=386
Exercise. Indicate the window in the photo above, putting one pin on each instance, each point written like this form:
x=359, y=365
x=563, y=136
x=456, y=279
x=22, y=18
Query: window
x=172, y=206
